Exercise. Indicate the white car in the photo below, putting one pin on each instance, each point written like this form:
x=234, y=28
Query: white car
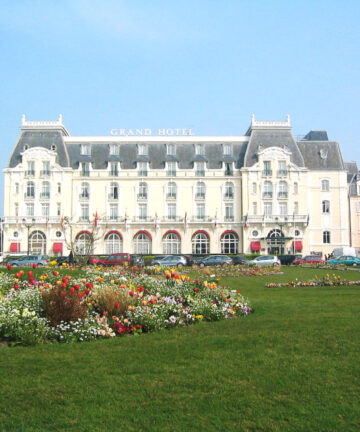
x=265, y=260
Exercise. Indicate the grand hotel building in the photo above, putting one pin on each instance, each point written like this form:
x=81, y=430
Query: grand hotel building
x=261, y=192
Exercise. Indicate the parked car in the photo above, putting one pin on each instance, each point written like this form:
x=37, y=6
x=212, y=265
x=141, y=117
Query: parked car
x=96, y=259
x=214, y=260
x=121, y=259
x=346, y=259
x=27, y=260
x=64, y=259
x=309, y=259
x=265, y=260
x=170, y=260
x=137, y=260
x=189, y=260
x=288, y=259
x=239, y=260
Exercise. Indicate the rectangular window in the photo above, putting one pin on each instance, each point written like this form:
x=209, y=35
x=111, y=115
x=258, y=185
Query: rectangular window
x=85, y=149
x=229, y=169
x=268, y=209
x=58, y=209
x=16, y=188
x=142, y=211
x=326, y=206
x=254, y=188
x=16, y=209
x=114, y=169
x=29, y=209
x=229, y=212
x=45, y=172
x=267, y=168
x=282, y=168
x=30, y=172
x=171, y=149
x=171, y=211
x=171, y=169
x=254, y=208
x=296, y=188
x=296, y=208
x=142, y=149
x=45, y=210
x=326, y=237
x=200, y=169
x=283, y=209
x=200, y=211
x=142, y=169
x=227, y=149
x=113, y=211
x=85, y=169
x=84, y=212
x=114, y=150
x=199, y=149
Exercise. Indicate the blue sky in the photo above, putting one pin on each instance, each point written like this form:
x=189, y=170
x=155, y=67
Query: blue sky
x=202, y=64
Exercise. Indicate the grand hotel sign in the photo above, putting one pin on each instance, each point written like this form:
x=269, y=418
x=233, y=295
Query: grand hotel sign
x=152, y=132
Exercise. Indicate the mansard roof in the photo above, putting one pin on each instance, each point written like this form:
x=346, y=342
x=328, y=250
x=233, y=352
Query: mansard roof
x=314, y=152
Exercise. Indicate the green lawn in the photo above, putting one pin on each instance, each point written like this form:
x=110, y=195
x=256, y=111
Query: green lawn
x=293, y=365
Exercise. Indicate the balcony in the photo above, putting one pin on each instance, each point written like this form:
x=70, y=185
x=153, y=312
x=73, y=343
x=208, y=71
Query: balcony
x=282, y=173
x=200, y=173
x=30, y=173
x=85, y=173
x=171, y=173
x=172, y=218
x=290, y=219
x=84, y=196
x=267, y=173
x=171, y=196
x=114, y=173
x=142, y=196
x=84, y=219
x=267, y=195
x=45, y=173
x=200, y=195
x=44, y=195
x=113, y=218
x=282, y=195
x=229, y=195
x=29, y=195
x=229, y=172
x=143, y=219
x=229, y=218
x=142, y=173
x=201, y=218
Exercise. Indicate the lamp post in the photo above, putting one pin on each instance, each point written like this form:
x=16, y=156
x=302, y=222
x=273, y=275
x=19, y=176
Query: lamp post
x=282, y=240
x=28, y=226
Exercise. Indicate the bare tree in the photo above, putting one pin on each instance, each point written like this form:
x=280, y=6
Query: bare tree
x=80, y=248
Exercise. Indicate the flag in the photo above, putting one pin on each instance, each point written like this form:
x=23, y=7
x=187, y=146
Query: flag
x=96, y=219
x=62, y=223
x=245, y=225
x=126, y=221
x=156, y=221
x=185, y=220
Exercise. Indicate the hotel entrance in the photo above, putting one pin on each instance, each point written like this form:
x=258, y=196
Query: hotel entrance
x=275, y=242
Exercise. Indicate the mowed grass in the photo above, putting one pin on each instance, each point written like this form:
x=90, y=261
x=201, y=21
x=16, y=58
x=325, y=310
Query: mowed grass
x=293, y=365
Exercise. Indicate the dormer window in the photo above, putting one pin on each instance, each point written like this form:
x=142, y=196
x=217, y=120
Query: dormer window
x=171, y=149
x=199, y=149
x=85, y=150
x=200, y=169
x=227, y=149
x=229, y=169
x=114, y=149
x=142, y=149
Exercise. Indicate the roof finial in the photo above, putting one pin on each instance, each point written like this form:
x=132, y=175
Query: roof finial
x=288, y=119
x=252, y=118
x=60, y=118
x=23, y=119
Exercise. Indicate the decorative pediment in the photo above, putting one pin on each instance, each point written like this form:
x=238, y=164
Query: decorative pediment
x=38, y=153
x=274, y=153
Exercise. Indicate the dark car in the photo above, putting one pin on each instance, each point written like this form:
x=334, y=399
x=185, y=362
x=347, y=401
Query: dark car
x=64, y=259
x=214, y=260
x=137, y=260
x=239, y=260
x=288, y=259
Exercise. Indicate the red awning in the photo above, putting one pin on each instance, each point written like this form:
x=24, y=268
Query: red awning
x=255, y=246
x=297, y=245
x=15, y=247
x=58, y=247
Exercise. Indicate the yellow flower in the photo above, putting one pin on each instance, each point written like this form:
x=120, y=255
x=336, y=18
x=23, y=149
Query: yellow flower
x=53, y=262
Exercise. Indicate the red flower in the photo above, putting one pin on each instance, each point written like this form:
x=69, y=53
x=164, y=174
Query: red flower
x=196, y=281
x=77, y=287
x=63, y=293
x=139, y=326
x=80, y=294
x=71, y=290
x=238, y=291
x=9, y=266
x=87, y=291
x=196, y=289
x=131, y=293
x=168, y=276
x=30, y=273
x=34, y=265
x=140, y=289
x=16, y=286
x=89, y=285
x=176, y=276
x=18, y=275
x=117, y=305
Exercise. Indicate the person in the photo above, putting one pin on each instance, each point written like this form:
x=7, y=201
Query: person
x=71, y=257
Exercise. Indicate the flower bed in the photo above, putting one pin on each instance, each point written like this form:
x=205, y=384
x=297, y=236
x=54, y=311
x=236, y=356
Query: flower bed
x=52, y=308
x=327, y=280
x=228, y=271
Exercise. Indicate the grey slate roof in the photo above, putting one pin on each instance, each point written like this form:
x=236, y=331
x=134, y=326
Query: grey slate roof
x=39, y=138
x=316, y=135
x=265, y=138
x=352, y=176
x=321, y=155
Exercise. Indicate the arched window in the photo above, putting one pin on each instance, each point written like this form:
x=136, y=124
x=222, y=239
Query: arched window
x=142, y=244
x=143, y=191
x=171, y=243
x=113, y=243
x=283, y=189
x=229, y=190
x=85, y=190
x=84, y=244
x=171, y=190
x=275, y=237
x=200, y=190
x=45, y=190
x=200, y=243
x=325, y=185
x=30, y=189
x=267, y=189
x=229, y=243
x=37, y=243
